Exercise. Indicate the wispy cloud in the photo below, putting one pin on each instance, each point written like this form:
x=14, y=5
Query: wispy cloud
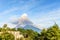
x=49, y=19
x=8, y=11
x=48, y=9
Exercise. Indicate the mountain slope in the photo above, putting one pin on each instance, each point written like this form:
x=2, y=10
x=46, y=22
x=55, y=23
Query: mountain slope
x=32, y=27
x=25, y=23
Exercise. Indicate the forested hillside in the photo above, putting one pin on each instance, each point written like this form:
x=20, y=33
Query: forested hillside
x=52, y=33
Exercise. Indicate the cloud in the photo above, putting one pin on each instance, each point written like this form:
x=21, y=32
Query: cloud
x=49, y=19
x=46, y=21
x=21, y=21
x=24, y=15
x=52, y=15
x=14, y=19
x=8, y=11
x=8, y=24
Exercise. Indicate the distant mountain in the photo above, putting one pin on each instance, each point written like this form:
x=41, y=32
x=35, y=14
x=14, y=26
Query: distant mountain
x=25, y=23
x=32, y=27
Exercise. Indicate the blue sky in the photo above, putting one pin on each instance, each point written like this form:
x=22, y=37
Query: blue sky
x=41, y=12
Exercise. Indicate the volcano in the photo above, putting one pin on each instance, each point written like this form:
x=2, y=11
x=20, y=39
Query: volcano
x=24, y=22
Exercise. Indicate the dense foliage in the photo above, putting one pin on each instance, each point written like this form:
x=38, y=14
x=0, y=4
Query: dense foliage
x=52, y=33
x=6, y=36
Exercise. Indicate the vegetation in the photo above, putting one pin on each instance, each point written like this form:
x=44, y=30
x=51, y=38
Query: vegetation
x=6, y=36
x=52, y=33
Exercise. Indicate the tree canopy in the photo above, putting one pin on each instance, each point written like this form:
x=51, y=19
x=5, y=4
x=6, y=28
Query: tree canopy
x=52, y=33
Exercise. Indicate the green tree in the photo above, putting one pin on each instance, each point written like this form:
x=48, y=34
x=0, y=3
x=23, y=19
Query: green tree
x=52, y=33
x=13, y=29
x=23, y=31
x=43, y=35
x=29, y=34
x=6, y=36
x=5, y=28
